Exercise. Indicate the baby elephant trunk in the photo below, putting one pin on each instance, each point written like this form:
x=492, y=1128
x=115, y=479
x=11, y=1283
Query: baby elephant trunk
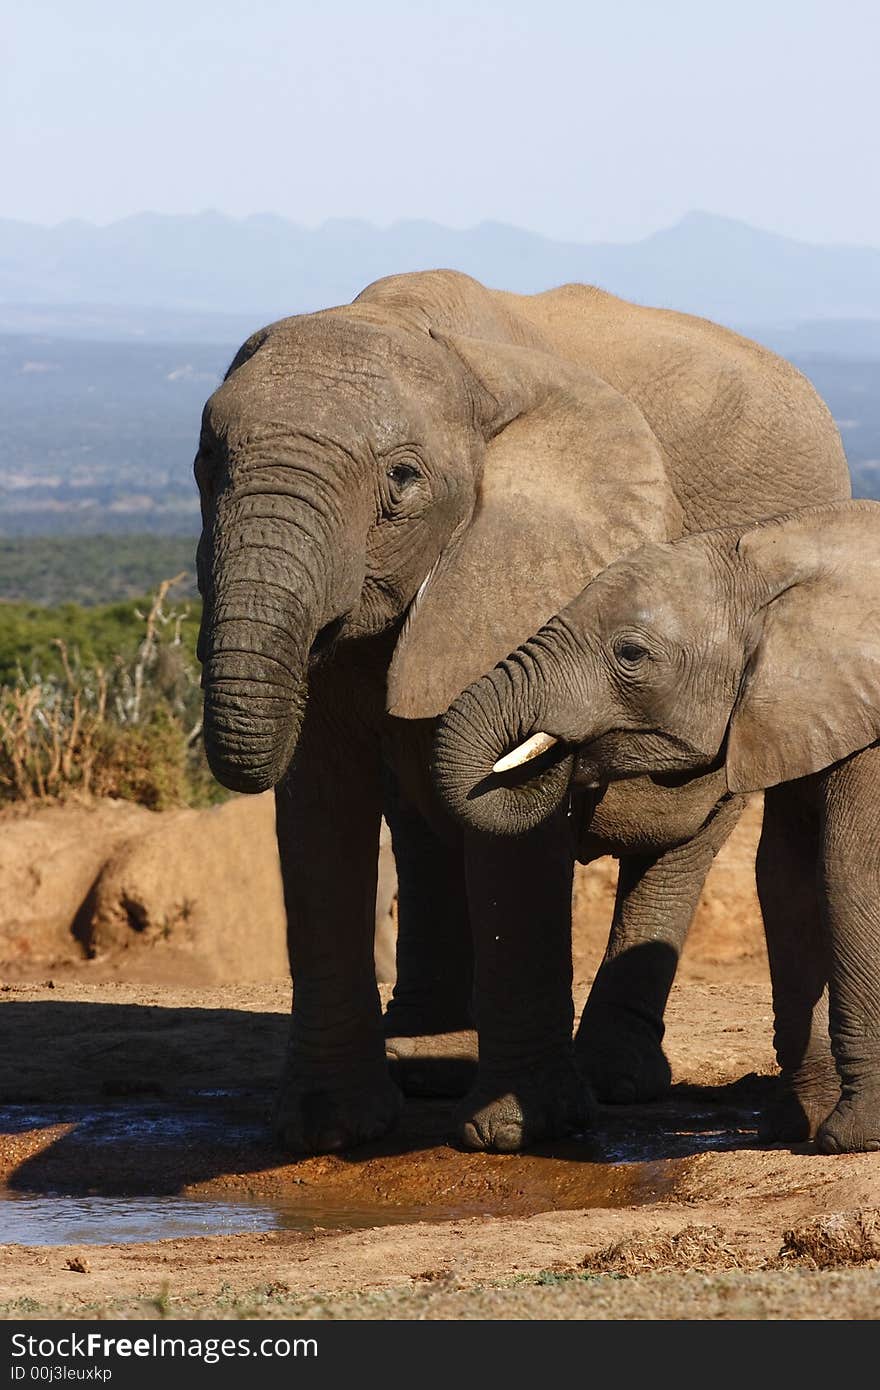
x=494, y=767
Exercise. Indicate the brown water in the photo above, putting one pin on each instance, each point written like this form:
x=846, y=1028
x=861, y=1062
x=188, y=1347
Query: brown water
x=62, y=1219
x=141, y=1172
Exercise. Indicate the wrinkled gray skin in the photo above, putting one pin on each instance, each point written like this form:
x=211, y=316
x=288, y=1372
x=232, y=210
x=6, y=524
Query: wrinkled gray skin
x=723, y=664
x=488, y=453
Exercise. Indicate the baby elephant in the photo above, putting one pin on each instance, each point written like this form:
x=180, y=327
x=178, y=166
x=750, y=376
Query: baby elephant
x=749, y=658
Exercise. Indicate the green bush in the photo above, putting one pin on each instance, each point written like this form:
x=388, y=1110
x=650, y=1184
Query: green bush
x=99, y=636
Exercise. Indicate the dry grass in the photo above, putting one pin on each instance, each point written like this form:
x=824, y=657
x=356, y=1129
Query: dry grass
x=832, y=1241
x=835, y=1240
x=693, y=1248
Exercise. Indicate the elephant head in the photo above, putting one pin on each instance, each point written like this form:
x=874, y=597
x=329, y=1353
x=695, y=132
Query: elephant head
x=415, y=464
x=753, y=650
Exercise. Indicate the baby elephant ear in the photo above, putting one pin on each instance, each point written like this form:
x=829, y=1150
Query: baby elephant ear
x=811, y=690
x=572, y=478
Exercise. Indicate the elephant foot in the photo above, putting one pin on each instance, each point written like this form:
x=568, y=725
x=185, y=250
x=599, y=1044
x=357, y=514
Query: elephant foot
x=423, y=1018
x=509, y=1114
x=444, y=1064
x=325, y=1119
x=801, y=1104
x=853, y=1125
x=619, y=1053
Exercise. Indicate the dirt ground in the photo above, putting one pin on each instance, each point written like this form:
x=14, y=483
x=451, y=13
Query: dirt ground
x=125, y=1074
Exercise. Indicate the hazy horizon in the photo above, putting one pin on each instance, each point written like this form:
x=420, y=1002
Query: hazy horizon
x=270, y=213
x=577, y=123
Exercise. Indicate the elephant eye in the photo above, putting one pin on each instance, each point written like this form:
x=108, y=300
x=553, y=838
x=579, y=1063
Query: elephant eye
x=400, y=475
x=630, y=653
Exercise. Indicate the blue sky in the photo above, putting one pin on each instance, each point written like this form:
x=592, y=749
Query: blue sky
x=579, y=120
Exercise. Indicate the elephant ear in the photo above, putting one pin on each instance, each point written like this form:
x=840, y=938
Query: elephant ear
x=572, y=478
x=810, y=694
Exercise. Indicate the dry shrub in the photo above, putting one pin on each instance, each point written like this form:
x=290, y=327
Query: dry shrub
x=126, y=732
x=146, y=764
x=833, y=1240
x=694, y=1247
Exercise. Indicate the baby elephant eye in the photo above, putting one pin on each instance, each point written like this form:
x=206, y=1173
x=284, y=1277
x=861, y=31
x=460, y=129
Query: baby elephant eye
x=630, y=652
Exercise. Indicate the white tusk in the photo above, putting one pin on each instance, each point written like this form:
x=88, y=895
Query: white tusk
x=532, y=748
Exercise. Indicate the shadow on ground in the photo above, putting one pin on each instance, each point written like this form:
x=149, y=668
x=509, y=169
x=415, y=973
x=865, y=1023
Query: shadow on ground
x=105, y=1099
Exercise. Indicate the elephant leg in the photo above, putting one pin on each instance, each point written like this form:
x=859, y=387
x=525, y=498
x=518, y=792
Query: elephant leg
x=435, y=958
x=527, y=1086
x=433, y=991
x=619, y=1040
x=849, y=869
x=796, y=949
x=336, y=1089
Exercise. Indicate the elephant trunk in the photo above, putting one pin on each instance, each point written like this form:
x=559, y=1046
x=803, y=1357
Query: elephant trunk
x=269, y=611
x=255, y=697
x=493, y=716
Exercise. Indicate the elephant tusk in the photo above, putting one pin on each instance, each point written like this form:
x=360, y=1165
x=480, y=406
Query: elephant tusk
x=532, y=748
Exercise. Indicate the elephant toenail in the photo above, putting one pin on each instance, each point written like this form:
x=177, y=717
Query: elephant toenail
x=827, y=1144
x=471, y=1137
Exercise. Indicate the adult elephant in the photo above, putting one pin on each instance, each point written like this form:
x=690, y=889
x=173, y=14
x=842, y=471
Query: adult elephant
x=395, y=493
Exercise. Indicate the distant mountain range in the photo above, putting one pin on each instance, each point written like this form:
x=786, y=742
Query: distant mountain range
x=213, y=278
